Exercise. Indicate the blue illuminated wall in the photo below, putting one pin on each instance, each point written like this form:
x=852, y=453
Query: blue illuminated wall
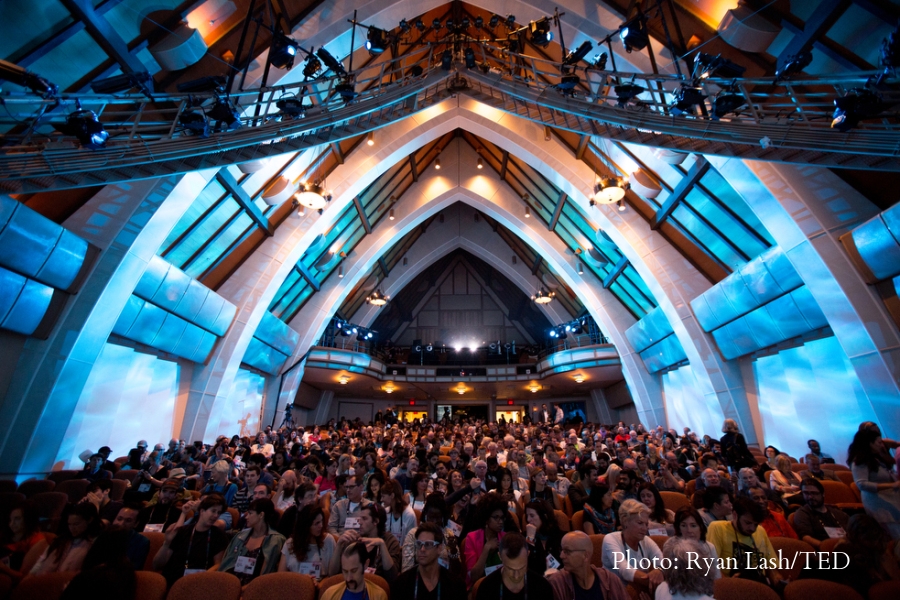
x=810, y=392
x=686, y=404
x=128, y=396
x=240, y=414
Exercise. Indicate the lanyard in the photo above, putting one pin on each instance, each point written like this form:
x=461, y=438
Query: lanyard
x=187, y=558
x=416, y=592
x=524, y=587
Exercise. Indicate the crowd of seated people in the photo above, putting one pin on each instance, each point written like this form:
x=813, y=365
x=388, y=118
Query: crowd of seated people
x=471, y=507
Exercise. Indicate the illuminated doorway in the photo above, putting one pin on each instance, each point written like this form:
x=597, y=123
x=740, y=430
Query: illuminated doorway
x=512, y=414
x=409, y=416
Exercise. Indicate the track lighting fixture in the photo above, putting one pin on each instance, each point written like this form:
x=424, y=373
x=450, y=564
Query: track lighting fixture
x=436, y=24
x=283, y=51
x=204, y=84
x=84, y=125
x=341, y=272
x=726, y=101
x=511, y=21
x=621, y=205
x=540, y=32
x=634, y=34
x=120, y=83
x=376, y=41
x=527, y=212
x=479, y=22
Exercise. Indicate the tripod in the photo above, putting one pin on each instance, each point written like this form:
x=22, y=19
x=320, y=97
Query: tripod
x=288, y=420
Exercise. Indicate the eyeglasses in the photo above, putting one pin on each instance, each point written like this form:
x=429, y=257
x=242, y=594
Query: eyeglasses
x=426, y=545
x=572, y=550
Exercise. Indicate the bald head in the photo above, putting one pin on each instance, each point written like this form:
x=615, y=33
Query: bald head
x=577, y=550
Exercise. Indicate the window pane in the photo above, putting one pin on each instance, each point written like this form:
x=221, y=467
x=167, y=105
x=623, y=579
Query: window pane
x=202, y=233
x=220, y=246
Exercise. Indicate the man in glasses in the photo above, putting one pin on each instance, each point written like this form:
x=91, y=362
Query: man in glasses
x=429, y=580
x=347, y=507
x=815, y=522
x=513, y=581
x=579, y=579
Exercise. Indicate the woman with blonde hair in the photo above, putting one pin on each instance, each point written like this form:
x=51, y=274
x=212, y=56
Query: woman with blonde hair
x=631, y=553
x=734, y=447
x=783, y=479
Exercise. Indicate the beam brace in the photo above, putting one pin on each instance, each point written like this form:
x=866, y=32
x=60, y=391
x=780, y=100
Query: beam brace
x=309, y=277
x=503, y=165
x=336, y=150
x=413, y=167
x=614, y=274
x=362, y=215
x=561, y=201
x=537, y=265
x=700, y=167
x=227, y=181
x=582, y=146
x=383, y=266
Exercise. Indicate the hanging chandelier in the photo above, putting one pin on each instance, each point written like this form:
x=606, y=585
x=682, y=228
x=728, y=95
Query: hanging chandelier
x=543, y=297
x=609, y=190
x=377, y=298
x=312, y=195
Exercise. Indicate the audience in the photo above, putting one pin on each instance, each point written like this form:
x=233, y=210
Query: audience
x=339, y=505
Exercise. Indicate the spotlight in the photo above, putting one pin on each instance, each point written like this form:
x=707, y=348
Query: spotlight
x=375, y=41
x=224, y=112
x=794, y=64
x=204, y=84
x=627, y=92
x=574, y=56
x=331, y=62
x=420, y=25
x=341, y=272
x=600, y=61
x=346, y=91
x=857, y=104
x=449, y=24
x=479, y=22
x=576, y=327
x=726, y=102
x=465, y=22
x=540, y=32
x=312, y=67
x=568, y=83
x=480, y=164
x=119, y=83
x=391, y=214
x=370, y=139
x=553, y=333
x=686, y=98
x=494, y=21
x=84, y=125
x=446, y=60
x=437, y=164
x=282, y=52
x=527, y=212
x=511, y=21
x=634, y=35
x=513, y=42
x=470, y=58
x=415, y=71
x=195, y=123
x=706, y=65
x=20, y=76
x=621, y=205
x=291, y=108
x=436, y=24
x=404, y=26
x=561, y=333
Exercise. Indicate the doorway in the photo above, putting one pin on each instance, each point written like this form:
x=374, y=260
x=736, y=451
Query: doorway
x=512, y=414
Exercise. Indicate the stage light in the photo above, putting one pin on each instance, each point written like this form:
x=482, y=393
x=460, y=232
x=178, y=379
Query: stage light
x=794, y=64
x=494, y=21
x=634, y=35
x=857, y=104
x=404, y=25
x=21, y=76
x=511, y=21
x=600, y=61
x=415, y=71
x=375, y=41
x=540, y=32
x=420, y=25
x=512, y=41
x=568, y=83
x=291, y=108
x=470, y=58
x=84, y=125
x=479, y=22
x=726, y=102
x=449, y=23
x=465, y=23
x=283, y=52
x=195, y=122
x=224, y=112
x=627, y=92
x=346, y=91
x=436, y=24
x=204, y=84
x=447, y=60
x=578, y=54
x=331, y=62
x=312, y=67
x=686, y=98
x=120, y=83
x=706, y=65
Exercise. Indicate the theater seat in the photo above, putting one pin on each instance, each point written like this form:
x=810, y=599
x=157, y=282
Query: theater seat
x=728, y=588
x=338, y=579
x=597, y=543
x=208, y=585
x=674, y=500
x=281, y=585
x=150, y=586
x=789, y=548
x=49, y=586
x=817, y=589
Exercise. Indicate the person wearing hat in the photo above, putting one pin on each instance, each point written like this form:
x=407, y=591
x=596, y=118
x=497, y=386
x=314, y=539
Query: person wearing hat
x=107, y=465
x=93, y=471
x=165, y=511
x=179, y=476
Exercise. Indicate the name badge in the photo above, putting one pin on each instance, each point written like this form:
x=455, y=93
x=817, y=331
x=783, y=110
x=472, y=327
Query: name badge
x=351, y=523
x=552, y=563
x=835, y=532
x=193, y=571
x=144, y=487
x=658, y=531
x=245, y=565
x=310, y=568
x=370, y=570
x=154, y=527
x=323, y=493
x=489, y=570
x=454, y=528
x=443, y=562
